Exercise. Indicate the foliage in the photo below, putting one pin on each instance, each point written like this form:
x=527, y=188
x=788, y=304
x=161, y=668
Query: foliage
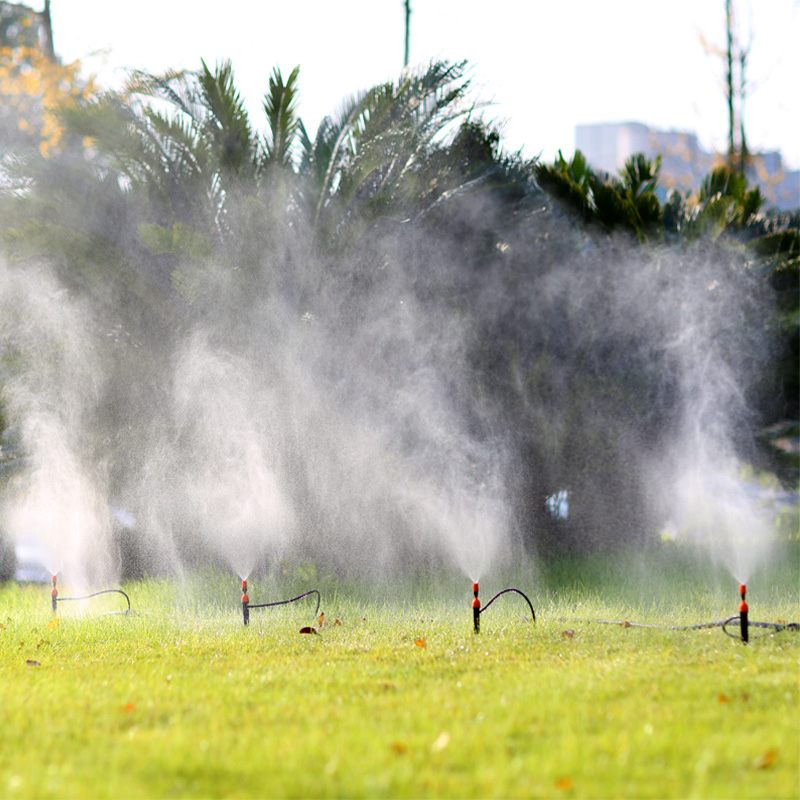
x=725, y=212
x=628, y=202
x=400, y=244
x=32, y=90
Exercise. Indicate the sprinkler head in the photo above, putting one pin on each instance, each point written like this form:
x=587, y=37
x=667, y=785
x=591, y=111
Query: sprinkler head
x=54, y=595
x=245, y=603
x=743, y=611
x=476, y=609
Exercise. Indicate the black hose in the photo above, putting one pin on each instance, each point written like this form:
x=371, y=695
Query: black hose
x=95, y=594
x=775, y=627
x=285, y=602
x=516, y=591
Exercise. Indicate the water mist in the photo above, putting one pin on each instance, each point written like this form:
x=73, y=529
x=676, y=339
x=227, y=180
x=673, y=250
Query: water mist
x=409, y=404
x=59, y=496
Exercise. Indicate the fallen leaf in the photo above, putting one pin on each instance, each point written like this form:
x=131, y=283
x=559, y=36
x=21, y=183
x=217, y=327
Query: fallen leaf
x=766, y=759
x=564, y=783
x=321, y=619
x=53, y=623
x=624, y=624
x=723, y=698
x=420, y=642
x=399, y=747
x=308, y=629
x=31, y=663
x=128, y=708
x=441, y=741
x=337, y=622
x=568, y=634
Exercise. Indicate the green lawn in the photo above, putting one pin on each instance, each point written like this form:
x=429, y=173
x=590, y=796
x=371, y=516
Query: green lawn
x=180, y=699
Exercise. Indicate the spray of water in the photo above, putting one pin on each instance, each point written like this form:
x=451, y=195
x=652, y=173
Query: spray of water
x=398, y=409
x=58, y=501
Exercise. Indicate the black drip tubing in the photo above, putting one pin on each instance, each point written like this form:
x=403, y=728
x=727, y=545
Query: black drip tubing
x=293, y=600
x=775, y=627
x=516, y=591
x=95, y=594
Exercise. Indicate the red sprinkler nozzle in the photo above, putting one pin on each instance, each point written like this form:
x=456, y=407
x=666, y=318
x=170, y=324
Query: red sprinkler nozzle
x=54, y=595
x=476, y=609
x=743, y=611
x=245, y=603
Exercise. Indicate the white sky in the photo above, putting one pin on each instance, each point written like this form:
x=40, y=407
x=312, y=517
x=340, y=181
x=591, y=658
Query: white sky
x=547, y=64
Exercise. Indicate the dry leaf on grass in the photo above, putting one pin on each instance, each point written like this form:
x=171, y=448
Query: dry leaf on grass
x=420, y=642
x=441, y=741
x=308, y=629
x=766, y=759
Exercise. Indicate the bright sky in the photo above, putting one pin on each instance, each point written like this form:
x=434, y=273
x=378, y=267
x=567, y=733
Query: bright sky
x=546, y=65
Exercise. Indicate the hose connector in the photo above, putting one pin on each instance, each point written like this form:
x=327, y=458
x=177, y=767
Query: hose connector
x=476, y=609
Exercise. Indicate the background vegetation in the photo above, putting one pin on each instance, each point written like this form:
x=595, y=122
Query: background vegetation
x=164, y=206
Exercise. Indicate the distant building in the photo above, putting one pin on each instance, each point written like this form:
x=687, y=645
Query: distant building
x=684, y=164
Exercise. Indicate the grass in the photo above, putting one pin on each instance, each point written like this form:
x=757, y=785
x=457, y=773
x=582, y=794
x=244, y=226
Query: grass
x=181, y=699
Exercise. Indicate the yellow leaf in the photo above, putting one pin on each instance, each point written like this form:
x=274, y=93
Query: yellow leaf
x=53, y=623
x=321, y=619
x=420, y=642
x=399, y=747
x=337, y=622
x=723, y=699
x=129, y=708
x=564, y=783
x=766, y=759
x=441, y=741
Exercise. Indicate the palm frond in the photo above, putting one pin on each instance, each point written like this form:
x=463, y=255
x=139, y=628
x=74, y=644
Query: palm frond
x=280, y=106
x=227, y=122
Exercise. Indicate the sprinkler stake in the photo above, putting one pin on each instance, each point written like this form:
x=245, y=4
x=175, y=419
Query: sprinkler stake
x=743, y=609
x=245, y=603
x=476, y=609
x=54, y=596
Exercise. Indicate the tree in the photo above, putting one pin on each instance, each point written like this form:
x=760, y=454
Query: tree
x=734, y=56
x=34, y=85
x=628, y=202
